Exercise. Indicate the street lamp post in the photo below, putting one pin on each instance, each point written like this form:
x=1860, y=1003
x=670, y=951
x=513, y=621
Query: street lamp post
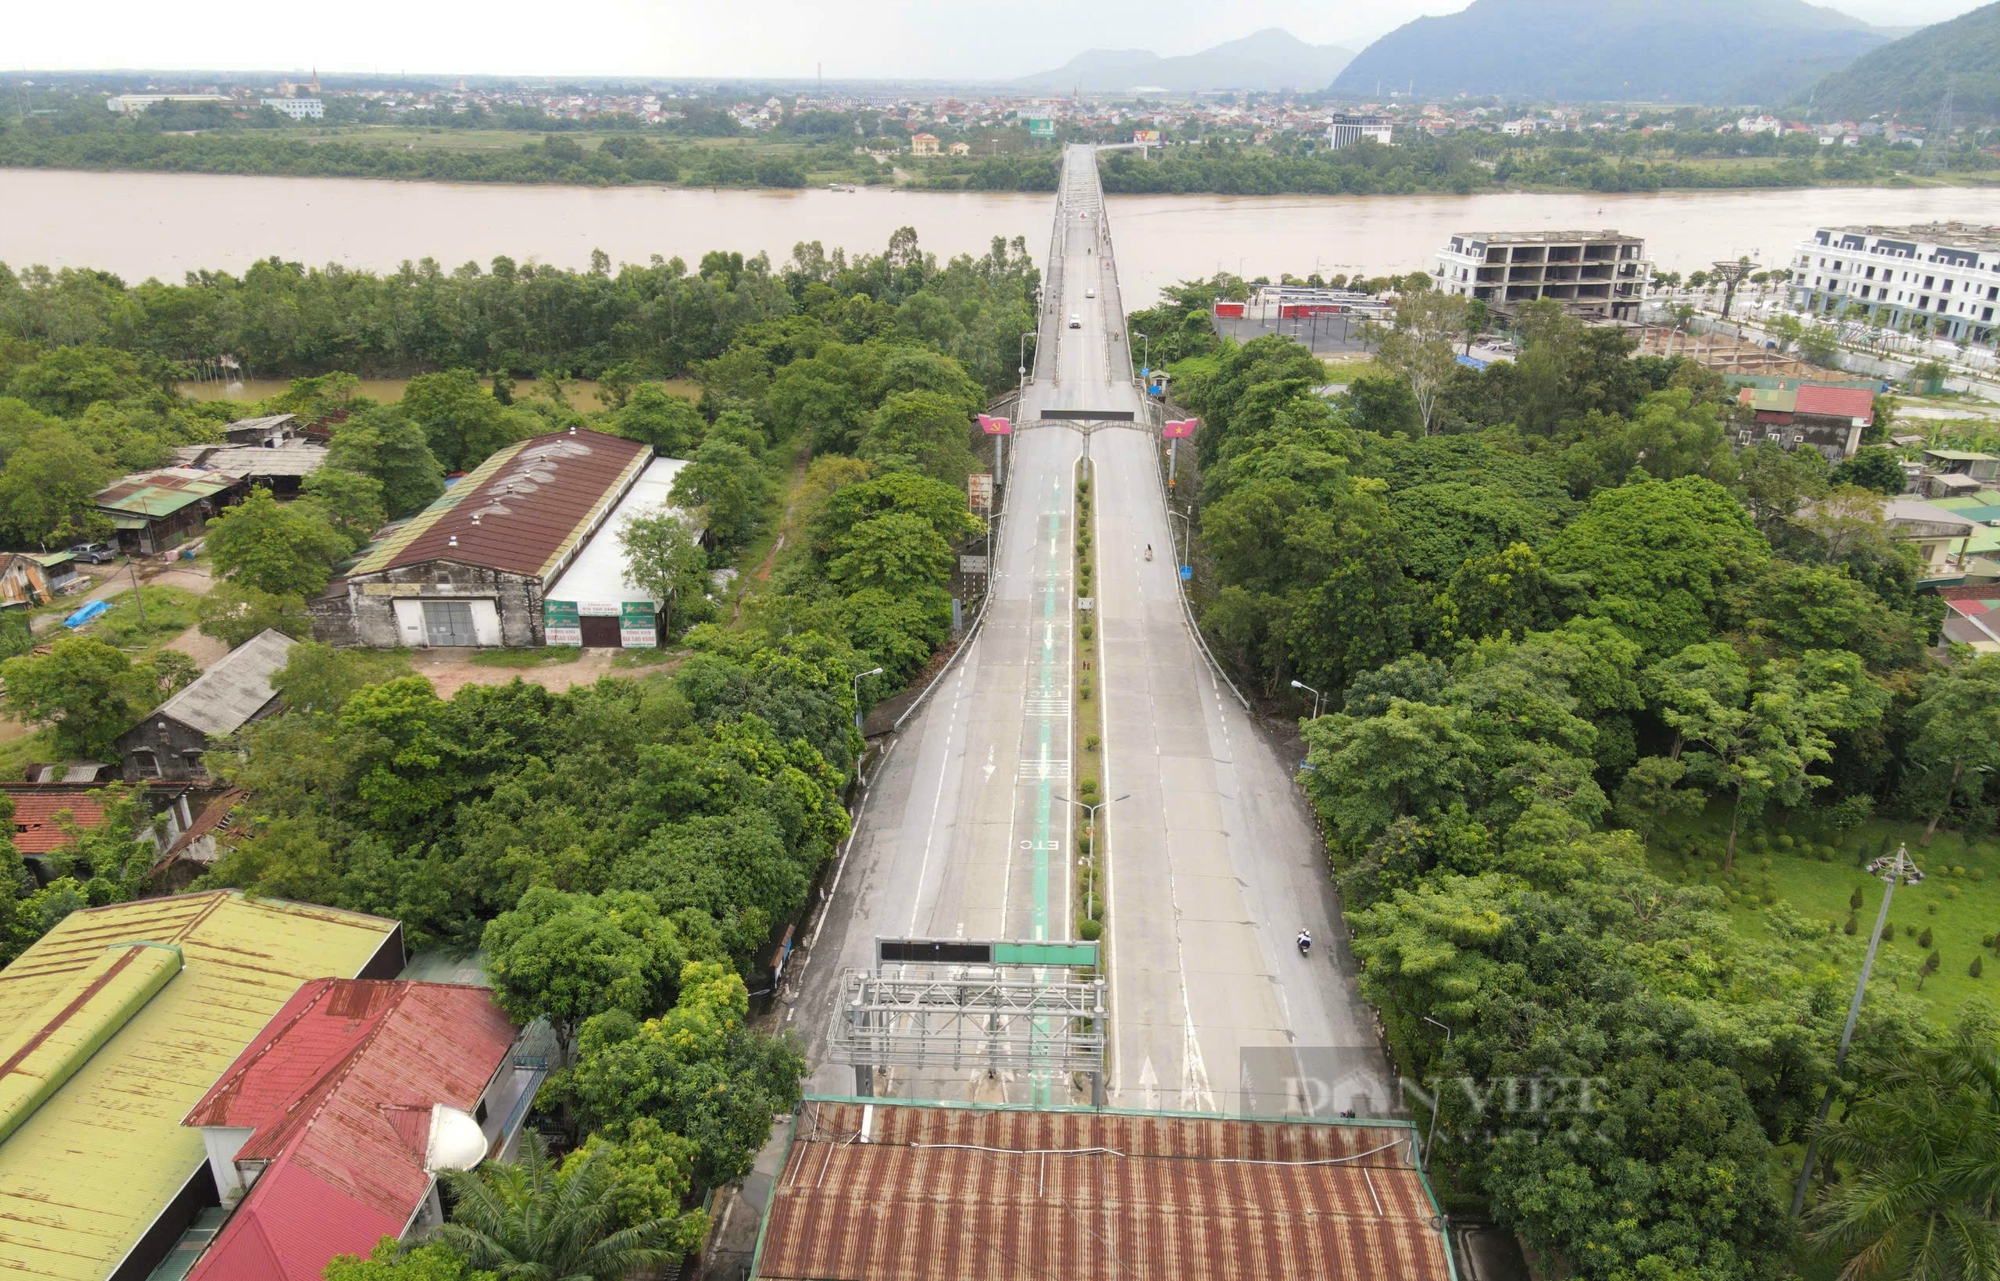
x=1145, y=353
x=873, y=671
x=1187, y=534
x=1894, y=877
x=1310, y=690
x=1090, y=821
x=1432, y=1136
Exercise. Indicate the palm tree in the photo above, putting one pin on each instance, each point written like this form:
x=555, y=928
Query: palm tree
x=1921, y=1200
x=536, y=1220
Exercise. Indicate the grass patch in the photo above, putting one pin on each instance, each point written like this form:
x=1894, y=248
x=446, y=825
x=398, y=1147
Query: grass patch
x=646, y=658
x=1958, y=900
x=545, y=656
x=168, y=612
x=1345, y=369
x=23, y=750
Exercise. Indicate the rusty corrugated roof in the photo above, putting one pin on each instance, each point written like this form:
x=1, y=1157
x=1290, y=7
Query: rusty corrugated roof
x=536, y=500
x=159, y=493
x=938, y=1191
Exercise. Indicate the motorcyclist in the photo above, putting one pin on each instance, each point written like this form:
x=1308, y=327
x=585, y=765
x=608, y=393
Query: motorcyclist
x=1305, y=942
x=1149, y=551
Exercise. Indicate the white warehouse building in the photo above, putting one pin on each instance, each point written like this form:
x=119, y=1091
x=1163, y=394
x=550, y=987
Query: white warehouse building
x=1946, y=272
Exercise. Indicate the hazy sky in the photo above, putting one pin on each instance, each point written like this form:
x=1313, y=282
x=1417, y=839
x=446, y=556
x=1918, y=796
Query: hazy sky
x=699, y=38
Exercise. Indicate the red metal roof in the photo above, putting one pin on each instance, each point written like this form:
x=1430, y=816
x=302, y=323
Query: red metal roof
x=985, y=1195
x=1836, y=402
x=535, y=499
x=38, y=828
x=339, y=1088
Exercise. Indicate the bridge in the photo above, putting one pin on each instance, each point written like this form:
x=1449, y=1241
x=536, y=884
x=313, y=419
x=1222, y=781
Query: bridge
x=1213, y=863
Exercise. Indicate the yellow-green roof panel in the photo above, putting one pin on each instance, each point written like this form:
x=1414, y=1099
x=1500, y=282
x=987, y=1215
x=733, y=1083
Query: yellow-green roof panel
x=85, y=1173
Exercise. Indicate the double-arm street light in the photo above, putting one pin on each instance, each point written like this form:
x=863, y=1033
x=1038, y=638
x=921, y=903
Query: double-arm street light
x=1090, y=821
x=1310, y=690
x=873, y=671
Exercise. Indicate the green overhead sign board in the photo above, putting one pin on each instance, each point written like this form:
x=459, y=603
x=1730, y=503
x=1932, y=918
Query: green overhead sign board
x=1077, y=955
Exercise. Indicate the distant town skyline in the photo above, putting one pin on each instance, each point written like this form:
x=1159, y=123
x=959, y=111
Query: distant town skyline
x=781, y=39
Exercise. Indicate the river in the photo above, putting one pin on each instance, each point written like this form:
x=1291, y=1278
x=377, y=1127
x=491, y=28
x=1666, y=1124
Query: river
x=161, y=225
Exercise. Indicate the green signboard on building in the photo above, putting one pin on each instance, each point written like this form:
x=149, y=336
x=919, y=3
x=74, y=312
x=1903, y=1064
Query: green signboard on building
x=1041, y=127
x=560, y=624
x=638, y=625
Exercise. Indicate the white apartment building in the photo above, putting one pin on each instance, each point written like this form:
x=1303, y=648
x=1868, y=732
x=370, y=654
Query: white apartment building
x=1591, y=273
x=1945, y=272
x=1345, y=131
x=298, y=108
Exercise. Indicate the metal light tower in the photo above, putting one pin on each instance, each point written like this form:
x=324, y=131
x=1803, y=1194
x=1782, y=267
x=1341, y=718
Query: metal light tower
x=1732, y=274
x=1894, y=877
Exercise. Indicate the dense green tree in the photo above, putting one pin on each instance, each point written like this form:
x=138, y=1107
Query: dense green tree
x=388, y=446
x=696, y=1070
x=285, y=550
x=921, y=431
x=1957, y=731
x=461, y=421
x=663, y=557
x=669, y=423
x=89, y=692
x=1756, y=735
x=48, y=488
x=235, y=612
x=567, y=957
x=66, y=380
x=1877, y=468
x=1661, y=558
x=726, y=485
x=390, y=1261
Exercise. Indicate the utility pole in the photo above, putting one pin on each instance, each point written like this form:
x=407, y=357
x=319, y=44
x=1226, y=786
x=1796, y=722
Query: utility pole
x=1894, y=877
x=138, y=596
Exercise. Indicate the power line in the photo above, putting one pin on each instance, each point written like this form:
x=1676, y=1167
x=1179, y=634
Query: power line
x=1939, y=141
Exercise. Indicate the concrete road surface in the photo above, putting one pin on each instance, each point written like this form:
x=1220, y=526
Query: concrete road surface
x=1213, y=865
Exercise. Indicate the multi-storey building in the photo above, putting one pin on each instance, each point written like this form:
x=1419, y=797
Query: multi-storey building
x=1345, y=131
x=1592, y=273
x=1944, y=274
x=298, y=108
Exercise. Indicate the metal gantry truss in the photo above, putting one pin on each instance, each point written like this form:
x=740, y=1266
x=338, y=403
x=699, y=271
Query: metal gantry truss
x=1044, y=1020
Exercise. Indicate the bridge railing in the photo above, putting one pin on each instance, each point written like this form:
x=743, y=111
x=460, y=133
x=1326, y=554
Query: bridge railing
x=1108, y=283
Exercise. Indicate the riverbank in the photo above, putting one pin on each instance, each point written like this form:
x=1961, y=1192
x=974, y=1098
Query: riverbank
x=625, y=159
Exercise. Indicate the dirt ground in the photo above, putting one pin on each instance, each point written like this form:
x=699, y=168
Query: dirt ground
x=450, y=670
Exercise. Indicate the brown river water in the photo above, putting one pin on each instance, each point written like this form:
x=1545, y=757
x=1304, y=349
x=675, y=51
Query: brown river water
x=162, y=225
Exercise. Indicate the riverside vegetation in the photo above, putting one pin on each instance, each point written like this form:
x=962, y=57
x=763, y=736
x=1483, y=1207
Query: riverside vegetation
x=625, y=851
x=1623, y=711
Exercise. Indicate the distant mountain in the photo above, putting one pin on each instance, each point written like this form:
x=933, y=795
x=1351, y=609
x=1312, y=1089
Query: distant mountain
x=1910, y=75
x=1269, y=60
x=1732, y=51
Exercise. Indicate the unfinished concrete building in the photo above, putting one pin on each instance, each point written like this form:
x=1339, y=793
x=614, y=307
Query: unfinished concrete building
x=1595, y=274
